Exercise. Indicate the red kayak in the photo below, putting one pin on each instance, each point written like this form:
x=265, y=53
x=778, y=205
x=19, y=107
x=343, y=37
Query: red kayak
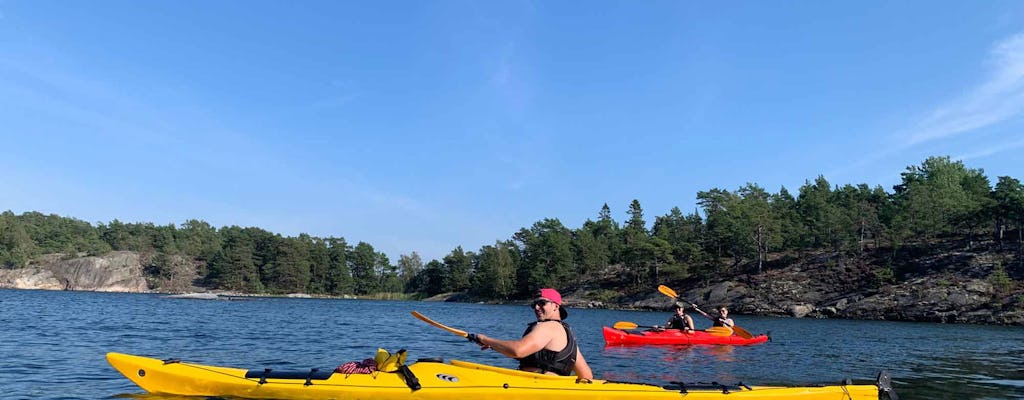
x=614, y=336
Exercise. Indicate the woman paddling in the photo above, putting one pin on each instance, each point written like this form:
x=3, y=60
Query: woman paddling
x=721, y=320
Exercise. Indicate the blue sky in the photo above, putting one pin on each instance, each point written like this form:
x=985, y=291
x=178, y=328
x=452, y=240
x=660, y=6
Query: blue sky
x=425, y=125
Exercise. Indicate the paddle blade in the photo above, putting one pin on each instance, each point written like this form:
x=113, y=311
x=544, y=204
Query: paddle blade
x=743, y=333
x=665, y=290
x=624, y=325
x=719, y=331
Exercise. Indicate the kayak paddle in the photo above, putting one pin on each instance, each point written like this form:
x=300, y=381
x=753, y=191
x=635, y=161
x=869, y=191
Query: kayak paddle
x=719, y=331
x=630, y=325
x=743, y=333
x=665, y=290
x=471, y=336
x=623, y=325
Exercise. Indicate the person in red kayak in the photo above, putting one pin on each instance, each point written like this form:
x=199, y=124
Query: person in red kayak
x=721, y=320
x=680, y=320
x=548, y=346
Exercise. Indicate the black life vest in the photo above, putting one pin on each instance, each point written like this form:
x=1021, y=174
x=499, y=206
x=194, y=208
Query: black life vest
x=676, y=322
x=560, y=362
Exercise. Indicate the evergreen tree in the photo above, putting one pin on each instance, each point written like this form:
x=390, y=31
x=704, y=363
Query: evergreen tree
x=162, y=238
x=977, y=203
x=589, y=254
x=638, y=252
x=762, y=225
x=791, y=226
x=824, y=221
x=363, y=261
x=197, y=239
x=234, y=267
x=939, y=196
x=339, y=277
x=727, y=235
x=388, y=273
x=547, y=256
x=16, y=246
x=1008, y=209
x=606, y=233
x=319, y=263
x=433, y=278
x=289, y=271
x=457, y=265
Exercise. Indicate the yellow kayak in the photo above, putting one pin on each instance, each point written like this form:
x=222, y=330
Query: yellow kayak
x=442, y=381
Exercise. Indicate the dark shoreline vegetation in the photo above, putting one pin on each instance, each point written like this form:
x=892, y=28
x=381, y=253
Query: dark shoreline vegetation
x=940, y=209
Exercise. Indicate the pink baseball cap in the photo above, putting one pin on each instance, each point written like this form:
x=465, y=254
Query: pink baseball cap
x=553, y=295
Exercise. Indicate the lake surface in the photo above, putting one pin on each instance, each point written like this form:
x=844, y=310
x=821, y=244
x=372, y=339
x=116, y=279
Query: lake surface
x=52, y=344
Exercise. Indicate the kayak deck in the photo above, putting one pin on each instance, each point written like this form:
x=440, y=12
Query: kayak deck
x=431, y=380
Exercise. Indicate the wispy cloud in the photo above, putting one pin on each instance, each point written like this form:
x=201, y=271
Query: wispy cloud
x=999, y=98
x=998, y=148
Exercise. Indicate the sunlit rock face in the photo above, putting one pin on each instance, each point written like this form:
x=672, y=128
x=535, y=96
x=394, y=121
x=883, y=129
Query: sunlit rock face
x=118, y=271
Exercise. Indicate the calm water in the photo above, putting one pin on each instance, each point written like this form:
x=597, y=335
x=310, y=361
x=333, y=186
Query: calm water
x=52, y=344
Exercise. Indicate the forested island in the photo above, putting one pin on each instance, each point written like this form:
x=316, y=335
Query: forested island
x=944, y=245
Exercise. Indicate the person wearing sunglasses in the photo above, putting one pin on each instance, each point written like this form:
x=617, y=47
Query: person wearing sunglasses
x=721, y=320
x=680, y=320
x=548, y=346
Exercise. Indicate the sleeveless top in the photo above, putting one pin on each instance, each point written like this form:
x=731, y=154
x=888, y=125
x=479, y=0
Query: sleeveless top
x=676, y=322
x=559, y=362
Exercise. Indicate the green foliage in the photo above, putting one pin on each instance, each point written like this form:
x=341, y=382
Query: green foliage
x=363, y=262
x=339, y=277
x=827, y=226
x=389, y=296
x=494, y=272
x=941, y=195
x=591, y=255
x=637, y=250
x=319, y=263
x=197, y=239
x=885, y=275
x=457, y=265
x=431, y=280
x=288, y=271
x=999, y=279
x=547, y=257
x=16, y=246
x=235, y=266
x=605, y=296
x=408, y=267
x=730, y=229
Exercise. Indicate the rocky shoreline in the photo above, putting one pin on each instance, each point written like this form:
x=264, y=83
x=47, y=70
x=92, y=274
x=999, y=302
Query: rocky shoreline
x=827, y=290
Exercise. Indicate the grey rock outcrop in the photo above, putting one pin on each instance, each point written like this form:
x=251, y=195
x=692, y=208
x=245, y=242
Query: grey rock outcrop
x=119, y=271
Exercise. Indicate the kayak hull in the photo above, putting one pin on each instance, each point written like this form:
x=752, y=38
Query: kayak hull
x=436, y=381
x=614, y=336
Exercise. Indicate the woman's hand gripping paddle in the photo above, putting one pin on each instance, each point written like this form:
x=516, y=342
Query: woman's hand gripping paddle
x=665, y=290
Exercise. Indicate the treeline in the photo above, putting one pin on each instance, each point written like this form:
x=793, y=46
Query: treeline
x=938, y=198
